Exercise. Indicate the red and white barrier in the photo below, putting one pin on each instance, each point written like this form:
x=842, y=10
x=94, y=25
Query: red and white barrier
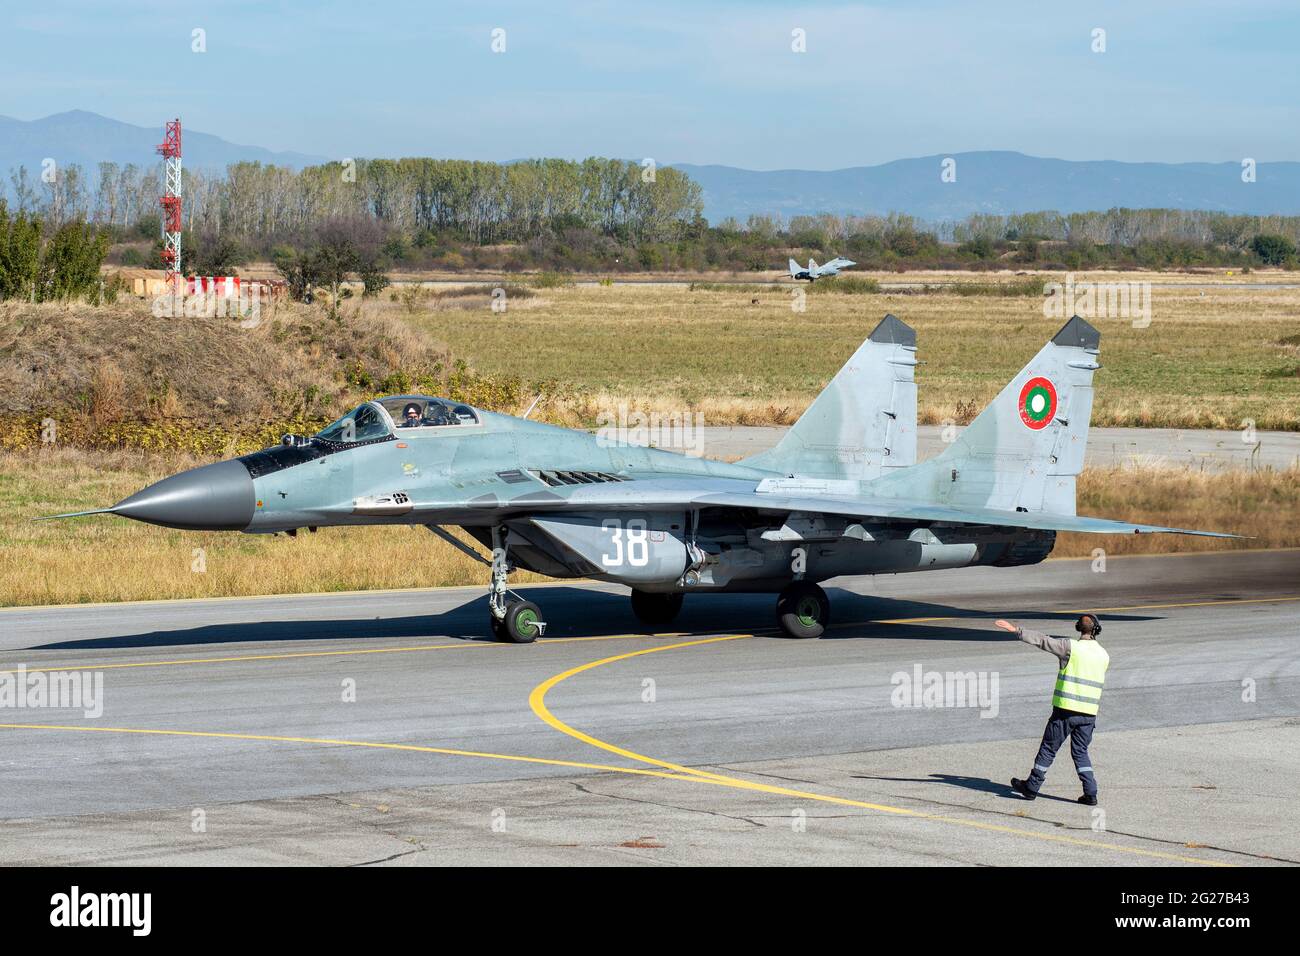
x=225, y=287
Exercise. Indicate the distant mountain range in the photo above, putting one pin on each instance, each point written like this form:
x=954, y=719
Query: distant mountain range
x=991, y=181
x=88, y=139
x=996, y=182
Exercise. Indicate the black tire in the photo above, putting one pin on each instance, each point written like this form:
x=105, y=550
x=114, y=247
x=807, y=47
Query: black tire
x=656, y=610
x=495, y=626
x=521, y=623
x=803, y=610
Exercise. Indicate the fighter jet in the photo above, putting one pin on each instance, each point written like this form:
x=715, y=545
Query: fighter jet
x=815, y=272
x=840, y=494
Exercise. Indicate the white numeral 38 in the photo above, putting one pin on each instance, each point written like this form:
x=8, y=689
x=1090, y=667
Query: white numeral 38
x=637, y=547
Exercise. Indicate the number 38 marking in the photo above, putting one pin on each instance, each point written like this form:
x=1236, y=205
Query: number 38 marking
x=633, y=549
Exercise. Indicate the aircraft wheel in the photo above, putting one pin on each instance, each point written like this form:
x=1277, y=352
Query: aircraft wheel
x=803, y=610
x=523, y=622
x=656, y=610
x=495, y=625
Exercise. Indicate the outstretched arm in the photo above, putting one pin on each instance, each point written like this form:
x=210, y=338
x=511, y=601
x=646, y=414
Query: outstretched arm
x=1053, y=645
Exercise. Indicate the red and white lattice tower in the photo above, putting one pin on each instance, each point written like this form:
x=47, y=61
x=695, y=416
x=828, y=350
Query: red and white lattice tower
x=171, y=204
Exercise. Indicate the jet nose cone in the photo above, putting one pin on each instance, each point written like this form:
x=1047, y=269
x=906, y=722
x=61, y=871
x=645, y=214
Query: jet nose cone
x=210, y=498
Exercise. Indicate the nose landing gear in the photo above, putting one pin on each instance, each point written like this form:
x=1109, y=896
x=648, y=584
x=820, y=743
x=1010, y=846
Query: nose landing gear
x=510, y=616
x=521, y=623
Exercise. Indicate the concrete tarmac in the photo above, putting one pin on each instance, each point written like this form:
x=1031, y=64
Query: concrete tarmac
x=385, y=728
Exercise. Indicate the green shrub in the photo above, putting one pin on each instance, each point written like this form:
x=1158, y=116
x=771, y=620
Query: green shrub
x=847, y=285
x=551, y=280
x=1273, y=250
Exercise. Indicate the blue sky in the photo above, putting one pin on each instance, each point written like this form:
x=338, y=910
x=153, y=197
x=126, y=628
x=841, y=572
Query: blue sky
x=680, y=82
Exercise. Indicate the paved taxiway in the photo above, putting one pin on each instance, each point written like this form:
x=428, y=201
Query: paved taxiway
x=754, y=748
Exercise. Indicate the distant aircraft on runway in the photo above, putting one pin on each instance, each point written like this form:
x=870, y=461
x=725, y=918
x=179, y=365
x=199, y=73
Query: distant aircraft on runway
x=814, y=271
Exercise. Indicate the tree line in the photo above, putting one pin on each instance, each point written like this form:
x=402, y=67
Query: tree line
x=515, y=202
x=1138, y=238
x=593, y=215
x=1118, y=226
x=485, y=202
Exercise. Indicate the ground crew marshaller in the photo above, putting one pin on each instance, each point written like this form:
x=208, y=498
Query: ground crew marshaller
x=1074, y=703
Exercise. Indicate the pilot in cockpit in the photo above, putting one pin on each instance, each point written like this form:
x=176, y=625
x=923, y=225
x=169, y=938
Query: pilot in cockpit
x=435, y=413
x=410, y=416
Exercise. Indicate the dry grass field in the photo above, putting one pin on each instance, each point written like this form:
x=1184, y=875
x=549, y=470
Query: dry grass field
x=1210, y=357
x=115, y=376
x=103, y=558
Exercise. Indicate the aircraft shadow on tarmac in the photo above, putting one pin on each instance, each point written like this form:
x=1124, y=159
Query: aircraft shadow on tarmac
x=981, y=784
x=579, y=612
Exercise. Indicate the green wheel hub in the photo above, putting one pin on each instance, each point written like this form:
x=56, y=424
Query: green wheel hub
x=802, y=610
x=808, y=611
x=526, y=621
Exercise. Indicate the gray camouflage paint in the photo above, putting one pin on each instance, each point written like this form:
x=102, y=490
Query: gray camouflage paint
x=864, y=422
x=841, y=494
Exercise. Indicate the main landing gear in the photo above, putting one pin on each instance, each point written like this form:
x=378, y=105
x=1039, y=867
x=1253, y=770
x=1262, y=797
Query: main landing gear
x=803, y=610
x=510, y=616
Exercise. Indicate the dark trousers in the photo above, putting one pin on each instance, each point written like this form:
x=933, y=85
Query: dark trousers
x=1079, y=728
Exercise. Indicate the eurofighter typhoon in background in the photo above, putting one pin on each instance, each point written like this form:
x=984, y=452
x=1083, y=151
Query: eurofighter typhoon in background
x=815, y=272
x=841, y=494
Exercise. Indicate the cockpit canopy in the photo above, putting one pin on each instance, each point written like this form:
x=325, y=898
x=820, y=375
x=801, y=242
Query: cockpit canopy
x=397, y=413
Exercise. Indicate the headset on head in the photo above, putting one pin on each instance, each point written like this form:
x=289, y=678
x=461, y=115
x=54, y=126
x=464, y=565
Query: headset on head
x=1096, y=623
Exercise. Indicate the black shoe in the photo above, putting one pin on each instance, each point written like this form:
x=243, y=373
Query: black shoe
x=1022, y=788
x=1088, y=799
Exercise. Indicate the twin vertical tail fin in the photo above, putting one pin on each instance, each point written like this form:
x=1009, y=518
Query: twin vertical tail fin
x=1023, y=451
x=863, y=424
x=795, y=269
x=1013, y=467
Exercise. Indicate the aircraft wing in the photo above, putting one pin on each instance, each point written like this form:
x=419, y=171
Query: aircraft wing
x=899, y=511
x=673, y=493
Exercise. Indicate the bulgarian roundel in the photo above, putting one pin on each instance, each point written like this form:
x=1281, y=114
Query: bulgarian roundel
x=1037, y=402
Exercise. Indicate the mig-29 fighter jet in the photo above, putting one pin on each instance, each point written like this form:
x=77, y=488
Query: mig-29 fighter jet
x=841, y=494
x=815, y=272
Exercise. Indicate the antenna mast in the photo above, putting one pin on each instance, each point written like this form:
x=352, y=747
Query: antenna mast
x=171, y=205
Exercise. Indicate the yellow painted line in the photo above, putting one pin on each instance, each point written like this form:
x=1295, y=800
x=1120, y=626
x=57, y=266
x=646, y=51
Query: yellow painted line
x=299, y=654
x=325, y=741
x=537, y=700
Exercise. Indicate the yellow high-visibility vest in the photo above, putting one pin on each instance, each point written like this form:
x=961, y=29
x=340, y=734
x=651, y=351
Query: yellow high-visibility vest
x=1078, y=685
